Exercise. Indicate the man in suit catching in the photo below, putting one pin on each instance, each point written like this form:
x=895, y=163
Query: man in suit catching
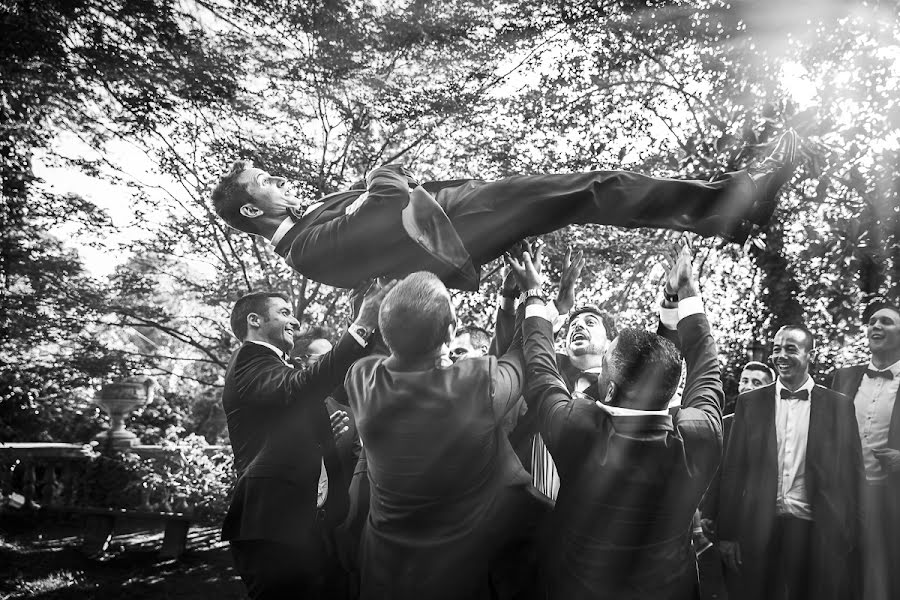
x=392, y=226
x=447, y=492
x=290, y=491
x=875, y=391
x=789, y=513
x=631, y=471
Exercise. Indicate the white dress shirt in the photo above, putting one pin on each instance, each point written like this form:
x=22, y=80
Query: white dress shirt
x=874, y=403
x=792, y=432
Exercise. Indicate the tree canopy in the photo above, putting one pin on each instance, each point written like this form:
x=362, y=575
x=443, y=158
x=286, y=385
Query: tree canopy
x=321, y=92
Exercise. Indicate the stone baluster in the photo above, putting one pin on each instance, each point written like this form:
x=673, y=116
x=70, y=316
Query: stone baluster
x=145, y=498
x=49, y=491
x=164, y=505
x=5, y=482
x=67, y=482
x=28, y=483
x=181, y=505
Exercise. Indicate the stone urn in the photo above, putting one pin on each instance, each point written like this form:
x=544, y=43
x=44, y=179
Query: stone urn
x=118, y=400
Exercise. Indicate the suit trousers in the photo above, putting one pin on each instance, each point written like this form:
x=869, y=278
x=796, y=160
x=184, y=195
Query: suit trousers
x=490, y=216
x=876, y=542
x=788, y=564
x=273, y=570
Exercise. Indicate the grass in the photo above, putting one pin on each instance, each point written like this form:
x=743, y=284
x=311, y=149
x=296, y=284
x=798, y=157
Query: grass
x=42, y=560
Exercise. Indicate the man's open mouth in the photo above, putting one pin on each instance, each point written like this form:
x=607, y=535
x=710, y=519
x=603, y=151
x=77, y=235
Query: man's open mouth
x=580, y=336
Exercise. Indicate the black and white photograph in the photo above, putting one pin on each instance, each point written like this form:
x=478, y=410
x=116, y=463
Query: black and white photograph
x=432, y=300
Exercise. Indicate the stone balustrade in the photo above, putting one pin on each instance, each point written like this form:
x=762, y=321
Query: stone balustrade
x=54, y=475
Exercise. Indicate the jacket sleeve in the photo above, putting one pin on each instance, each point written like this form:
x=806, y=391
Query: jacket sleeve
x=559, y=416
x=504, y=332
x=266, y=379
x=509, y=378
x=735, y=468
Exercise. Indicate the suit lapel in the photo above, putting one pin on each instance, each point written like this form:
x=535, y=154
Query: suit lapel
x=821, y=428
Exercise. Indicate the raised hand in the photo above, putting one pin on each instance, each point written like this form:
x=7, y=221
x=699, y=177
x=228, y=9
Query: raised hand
x=340, y=424
x=680, y=279
x=527, y=271
x=571, y=271
x=368, y=312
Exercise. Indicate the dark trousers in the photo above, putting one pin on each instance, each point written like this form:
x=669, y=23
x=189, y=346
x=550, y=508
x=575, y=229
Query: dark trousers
x=788, y=560
x=273, y=570
x=489, y=216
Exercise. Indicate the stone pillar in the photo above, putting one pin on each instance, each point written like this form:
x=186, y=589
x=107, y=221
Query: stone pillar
x=118, y=400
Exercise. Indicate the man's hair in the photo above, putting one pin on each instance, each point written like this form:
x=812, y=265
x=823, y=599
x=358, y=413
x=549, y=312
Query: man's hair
x=230, y=195
x=876, y=305
x=810, y=338
x=609, y=324
x=477, y=335
x=415, y=315
x=640, y=354
x=754, y=365
x=255, y=302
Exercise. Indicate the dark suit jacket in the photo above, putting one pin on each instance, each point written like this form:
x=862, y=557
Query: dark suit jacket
x=396, y=231
x=445, y=483
x=846, y=381
x=833, y=478
x=279, y=431
x=629, y=485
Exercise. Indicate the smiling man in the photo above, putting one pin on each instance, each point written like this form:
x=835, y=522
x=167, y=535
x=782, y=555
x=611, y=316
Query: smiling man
x=290, y=493
x=874, y=388
x=392, y=225
x=789, y=510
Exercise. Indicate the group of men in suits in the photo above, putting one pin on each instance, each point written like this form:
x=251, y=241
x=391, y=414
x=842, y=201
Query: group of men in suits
x=474, y=454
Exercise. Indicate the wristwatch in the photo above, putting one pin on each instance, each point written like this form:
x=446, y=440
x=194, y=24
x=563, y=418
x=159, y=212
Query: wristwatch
x=535, y=292
x=362, y=332
x=670, y=297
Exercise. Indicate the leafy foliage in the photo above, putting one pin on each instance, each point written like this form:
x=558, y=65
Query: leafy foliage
x=323, y=92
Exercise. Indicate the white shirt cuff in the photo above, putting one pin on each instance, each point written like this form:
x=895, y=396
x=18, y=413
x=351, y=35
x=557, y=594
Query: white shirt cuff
x=690, y=306
x=669, y=317
x=544, y=311
x=358, y=338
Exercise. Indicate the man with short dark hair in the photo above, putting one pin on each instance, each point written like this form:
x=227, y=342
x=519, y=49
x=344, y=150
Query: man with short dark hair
x=392, y=226
x=874, y=388
x=470, y=342
x=754, y=375
x=289, y=494
x=789, y=510
x=631, y=472
x=447, y=492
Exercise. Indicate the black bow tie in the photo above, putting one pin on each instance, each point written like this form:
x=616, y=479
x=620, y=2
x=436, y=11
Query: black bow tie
x=876, y=374
x=798, y=395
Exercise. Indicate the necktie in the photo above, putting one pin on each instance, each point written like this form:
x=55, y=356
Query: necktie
x=876, y=374
x=798, y=395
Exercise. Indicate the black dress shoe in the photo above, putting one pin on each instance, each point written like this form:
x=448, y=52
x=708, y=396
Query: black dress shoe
x=770, y=175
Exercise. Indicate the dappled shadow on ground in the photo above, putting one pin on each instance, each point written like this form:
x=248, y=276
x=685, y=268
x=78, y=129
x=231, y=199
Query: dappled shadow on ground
x=43, y=561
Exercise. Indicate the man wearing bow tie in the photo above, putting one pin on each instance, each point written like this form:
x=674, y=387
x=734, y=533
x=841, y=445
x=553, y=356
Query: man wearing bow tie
x=875, y=390
x=789, y=512
x=392, y=226
x=290, y=492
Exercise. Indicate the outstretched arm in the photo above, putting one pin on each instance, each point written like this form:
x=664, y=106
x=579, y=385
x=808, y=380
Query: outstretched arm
x=545, y=391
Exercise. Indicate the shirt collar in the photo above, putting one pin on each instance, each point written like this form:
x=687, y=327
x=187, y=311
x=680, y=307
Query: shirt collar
x=282, y=230
x=894, y=368
x=619, y=411
x=280, y=353
x=808, y=385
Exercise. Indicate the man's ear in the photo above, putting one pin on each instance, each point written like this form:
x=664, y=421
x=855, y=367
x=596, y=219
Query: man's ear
x=611, y=390
x=250, y=211
x=451, y=333
x=253, y=321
